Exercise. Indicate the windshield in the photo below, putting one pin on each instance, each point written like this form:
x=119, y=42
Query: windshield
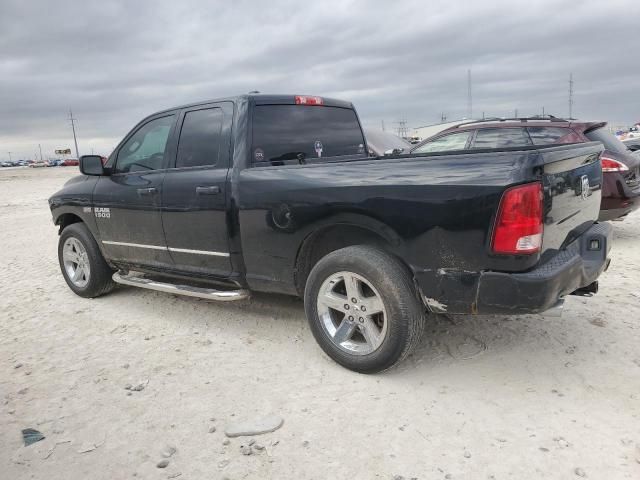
x=608, y=139
x=379, y=141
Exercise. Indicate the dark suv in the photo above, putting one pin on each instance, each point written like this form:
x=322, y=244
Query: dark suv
x=621, y=167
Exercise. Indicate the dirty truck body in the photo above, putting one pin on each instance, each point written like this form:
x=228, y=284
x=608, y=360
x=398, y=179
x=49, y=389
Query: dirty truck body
x=276, y=194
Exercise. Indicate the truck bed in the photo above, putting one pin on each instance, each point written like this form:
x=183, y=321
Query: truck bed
x=435, y=211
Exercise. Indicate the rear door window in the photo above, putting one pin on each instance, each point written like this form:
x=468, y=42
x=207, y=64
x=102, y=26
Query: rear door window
x=200, y=138
x=290, y=134
x=546, y=135
x=501, y=138
x=453, y=141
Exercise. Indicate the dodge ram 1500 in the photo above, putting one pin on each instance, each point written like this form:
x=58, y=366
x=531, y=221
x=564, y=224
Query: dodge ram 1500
x=277, y=193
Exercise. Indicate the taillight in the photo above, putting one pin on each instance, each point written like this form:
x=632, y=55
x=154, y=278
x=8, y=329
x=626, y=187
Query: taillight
x=518, y=228
x=306, y=100
x=611, y=165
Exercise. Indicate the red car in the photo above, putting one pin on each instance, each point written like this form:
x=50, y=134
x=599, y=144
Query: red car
x=70, y=162
x=620, y=166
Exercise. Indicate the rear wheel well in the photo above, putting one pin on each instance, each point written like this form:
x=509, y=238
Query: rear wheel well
x=329, y=239
x=67, y=219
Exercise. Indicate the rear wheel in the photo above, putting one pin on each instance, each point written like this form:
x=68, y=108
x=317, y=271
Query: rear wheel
x=82, y=264
x=362, y=308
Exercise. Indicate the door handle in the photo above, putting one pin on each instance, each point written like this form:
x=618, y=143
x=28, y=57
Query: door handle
x=211, y=190
x=147, y=191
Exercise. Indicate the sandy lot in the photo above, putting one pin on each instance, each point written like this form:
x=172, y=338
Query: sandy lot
x=482, y=398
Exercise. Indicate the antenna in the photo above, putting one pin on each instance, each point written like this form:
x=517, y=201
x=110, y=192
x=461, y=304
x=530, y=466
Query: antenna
x=73, y=127
x=571, y=95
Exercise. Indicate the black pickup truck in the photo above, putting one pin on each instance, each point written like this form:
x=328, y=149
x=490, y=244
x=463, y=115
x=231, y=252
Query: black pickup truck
x=276, y=193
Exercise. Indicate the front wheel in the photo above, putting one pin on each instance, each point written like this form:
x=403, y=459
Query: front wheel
x=82, y=264
x=362, y=308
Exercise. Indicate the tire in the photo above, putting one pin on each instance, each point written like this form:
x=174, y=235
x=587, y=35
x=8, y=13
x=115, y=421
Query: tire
x=378, y=340
x=76, y=244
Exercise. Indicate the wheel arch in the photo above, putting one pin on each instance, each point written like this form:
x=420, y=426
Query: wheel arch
x=343, y=231
x=66, y=219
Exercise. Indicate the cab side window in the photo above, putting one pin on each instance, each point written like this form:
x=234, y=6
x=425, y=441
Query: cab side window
x=200, y=138
x=144, y=151
x=454, y=141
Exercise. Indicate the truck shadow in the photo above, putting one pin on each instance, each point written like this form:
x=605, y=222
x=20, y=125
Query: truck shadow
x=448, y=340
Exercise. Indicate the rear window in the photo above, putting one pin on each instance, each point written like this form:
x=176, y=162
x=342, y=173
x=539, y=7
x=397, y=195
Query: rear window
x=546, y=135
x=289, y=134
x=501, y=138
x=608, y=139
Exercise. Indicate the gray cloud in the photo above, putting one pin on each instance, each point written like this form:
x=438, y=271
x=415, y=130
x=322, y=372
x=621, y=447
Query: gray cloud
x=115, y=62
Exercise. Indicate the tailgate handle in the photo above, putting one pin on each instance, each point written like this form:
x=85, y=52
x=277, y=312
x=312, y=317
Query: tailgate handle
x=147, y=191
x=212, y=190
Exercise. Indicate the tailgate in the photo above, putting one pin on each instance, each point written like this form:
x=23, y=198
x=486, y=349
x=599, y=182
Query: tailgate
x=572, y=180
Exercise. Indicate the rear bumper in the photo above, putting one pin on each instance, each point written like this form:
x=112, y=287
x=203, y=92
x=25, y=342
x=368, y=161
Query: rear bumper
x=618, y=199
x=463, y=292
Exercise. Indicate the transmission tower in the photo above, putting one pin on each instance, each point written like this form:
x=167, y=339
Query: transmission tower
x=403, y=130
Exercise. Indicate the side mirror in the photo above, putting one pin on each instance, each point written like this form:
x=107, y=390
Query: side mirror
x=91, y=165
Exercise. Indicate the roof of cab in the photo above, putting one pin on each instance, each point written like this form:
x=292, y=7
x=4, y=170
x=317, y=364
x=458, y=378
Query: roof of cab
x=261, y=99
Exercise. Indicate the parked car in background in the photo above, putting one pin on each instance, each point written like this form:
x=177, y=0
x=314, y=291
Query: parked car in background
x=632, y=144
x=38, y=164
x=380, y=142
x=69, y=162
x=6, y=164
x=621, y=168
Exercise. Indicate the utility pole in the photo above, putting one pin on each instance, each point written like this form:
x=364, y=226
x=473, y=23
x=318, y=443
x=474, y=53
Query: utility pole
x=443, y=117
x=516, y=113
x=543, y=110
x=9, y=155
x=73, y=127
x=469, y=98
x=571, y=95
x=40, y=147
x=383, y=125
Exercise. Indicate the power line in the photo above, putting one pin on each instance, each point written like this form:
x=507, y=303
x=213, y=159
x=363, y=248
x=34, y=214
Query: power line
x=73, y=127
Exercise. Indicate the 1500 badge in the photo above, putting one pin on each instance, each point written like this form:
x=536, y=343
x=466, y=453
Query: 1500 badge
x=102, y=212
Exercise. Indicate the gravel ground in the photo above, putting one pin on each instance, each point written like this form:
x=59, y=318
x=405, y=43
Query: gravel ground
x=482, y=398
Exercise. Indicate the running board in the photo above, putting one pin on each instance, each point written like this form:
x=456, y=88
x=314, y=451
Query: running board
x=206, y=293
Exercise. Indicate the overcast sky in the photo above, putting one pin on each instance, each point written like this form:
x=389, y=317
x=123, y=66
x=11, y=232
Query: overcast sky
x=116, y=62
